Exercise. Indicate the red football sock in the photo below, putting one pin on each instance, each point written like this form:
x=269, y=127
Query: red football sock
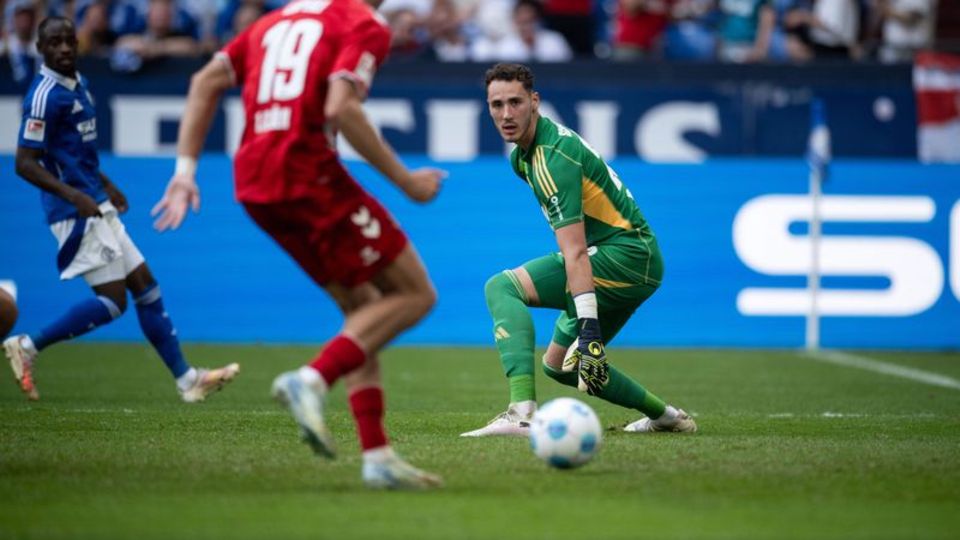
x=367, y=407
x=341, y=356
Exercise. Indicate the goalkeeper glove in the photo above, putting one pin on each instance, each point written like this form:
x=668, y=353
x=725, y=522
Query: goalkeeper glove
x=593, y=372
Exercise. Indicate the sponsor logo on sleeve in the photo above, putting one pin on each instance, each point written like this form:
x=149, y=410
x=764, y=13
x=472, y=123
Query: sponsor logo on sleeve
x=34, y=129
x=366, y=67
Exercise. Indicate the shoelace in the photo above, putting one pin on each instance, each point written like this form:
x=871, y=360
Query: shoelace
x=508, y=415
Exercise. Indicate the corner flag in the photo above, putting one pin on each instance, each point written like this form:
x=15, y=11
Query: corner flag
x=818, y=158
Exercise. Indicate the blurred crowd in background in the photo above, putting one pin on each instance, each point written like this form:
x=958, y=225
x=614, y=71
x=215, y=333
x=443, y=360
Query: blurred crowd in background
x=131, y=32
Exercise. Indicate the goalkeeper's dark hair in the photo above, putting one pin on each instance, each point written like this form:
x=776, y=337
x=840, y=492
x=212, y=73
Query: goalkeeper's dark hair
x=509, y=73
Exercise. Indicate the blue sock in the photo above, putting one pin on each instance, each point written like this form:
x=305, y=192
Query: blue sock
x=158, y=328
x=79, y=320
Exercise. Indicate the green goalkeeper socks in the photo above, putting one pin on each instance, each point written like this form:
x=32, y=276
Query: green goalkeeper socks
x=621, y=390
x=522, y=388
x=513, y=330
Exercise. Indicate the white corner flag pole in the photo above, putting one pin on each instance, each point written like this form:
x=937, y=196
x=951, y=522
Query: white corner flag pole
x=818, y=157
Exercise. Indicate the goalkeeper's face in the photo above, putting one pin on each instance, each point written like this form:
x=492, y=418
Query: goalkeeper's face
x=514, y=111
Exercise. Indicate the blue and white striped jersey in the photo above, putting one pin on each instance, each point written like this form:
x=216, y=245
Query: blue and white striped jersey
x=59, y=118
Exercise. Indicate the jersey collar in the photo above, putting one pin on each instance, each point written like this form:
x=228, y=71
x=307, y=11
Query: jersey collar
x=538, y=135
x=67, y=82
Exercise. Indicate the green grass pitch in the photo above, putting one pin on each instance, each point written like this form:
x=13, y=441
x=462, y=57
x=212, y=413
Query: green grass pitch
x=788, y=448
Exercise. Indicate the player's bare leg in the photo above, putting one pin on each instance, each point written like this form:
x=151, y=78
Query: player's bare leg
x=374, y=314
x=304, y=391
x=407, y=295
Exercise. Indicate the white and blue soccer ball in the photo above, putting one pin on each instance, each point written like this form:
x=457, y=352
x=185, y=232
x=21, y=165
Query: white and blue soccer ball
x=565, y=433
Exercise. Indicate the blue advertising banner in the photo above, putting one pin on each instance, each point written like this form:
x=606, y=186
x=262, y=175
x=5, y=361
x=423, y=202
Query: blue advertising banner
x=733, y=233
x=661, y=113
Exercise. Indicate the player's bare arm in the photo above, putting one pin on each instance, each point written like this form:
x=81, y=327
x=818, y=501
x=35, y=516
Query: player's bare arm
x=117, y=198
x=572, y=240
x=344, y=111
x=206, y=87
x=29, y=168
x=590, y=357
x=768, y=20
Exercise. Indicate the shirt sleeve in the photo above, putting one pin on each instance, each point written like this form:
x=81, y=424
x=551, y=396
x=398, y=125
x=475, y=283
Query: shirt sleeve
x=560, y=178
x=40, y=113
x=360, y=57
x=233, y=55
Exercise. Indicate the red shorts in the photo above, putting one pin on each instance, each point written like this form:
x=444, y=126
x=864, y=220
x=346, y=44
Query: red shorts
x=350, y=250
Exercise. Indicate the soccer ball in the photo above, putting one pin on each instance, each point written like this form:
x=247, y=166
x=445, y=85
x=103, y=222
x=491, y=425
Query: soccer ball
x=565, y=433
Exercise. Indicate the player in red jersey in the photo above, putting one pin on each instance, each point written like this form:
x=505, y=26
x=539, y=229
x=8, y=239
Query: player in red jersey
x=305, y=70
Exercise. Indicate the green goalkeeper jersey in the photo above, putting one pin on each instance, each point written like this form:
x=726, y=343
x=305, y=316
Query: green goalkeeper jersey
x=572, y=183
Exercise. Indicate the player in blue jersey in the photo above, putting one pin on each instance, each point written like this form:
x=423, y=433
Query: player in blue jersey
x=57, y=152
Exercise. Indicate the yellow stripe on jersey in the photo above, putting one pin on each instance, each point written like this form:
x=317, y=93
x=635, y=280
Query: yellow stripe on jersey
x=538, y=176
x=542, y=159
x=609, y=284
x=541, y=176
x=597, y=205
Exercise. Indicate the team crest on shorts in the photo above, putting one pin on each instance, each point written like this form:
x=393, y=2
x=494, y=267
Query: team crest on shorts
x=108, y=254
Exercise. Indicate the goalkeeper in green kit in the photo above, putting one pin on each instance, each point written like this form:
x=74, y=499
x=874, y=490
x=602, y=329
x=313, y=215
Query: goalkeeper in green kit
x=608, y=265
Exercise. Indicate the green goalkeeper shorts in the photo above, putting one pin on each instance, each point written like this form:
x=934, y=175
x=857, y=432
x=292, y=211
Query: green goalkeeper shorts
x=624, y=276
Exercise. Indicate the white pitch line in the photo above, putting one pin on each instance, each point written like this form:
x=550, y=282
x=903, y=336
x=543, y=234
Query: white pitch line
x=828, y=414
x=869, y=364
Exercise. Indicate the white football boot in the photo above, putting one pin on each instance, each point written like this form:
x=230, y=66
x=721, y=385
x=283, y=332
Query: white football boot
x=384, y=469
x=209, y=381
x=514, y=422
x=21, y=362
x=680, y=423
x=305, y=402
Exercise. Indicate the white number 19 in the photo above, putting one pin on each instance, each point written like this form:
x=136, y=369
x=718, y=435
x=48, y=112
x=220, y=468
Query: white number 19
x=288, y=47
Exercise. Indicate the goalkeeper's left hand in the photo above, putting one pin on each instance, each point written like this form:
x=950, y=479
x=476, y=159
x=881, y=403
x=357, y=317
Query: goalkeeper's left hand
x=592, y=368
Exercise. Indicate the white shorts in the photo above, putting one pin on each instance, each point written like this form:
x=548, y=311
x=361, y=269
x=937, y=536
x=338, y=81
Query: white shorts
x=104, y=253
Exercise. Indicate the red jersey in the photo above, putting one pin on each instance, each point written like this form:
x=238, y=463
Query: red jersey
x=568, y=7
x=284, y=61
x=643, y=28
